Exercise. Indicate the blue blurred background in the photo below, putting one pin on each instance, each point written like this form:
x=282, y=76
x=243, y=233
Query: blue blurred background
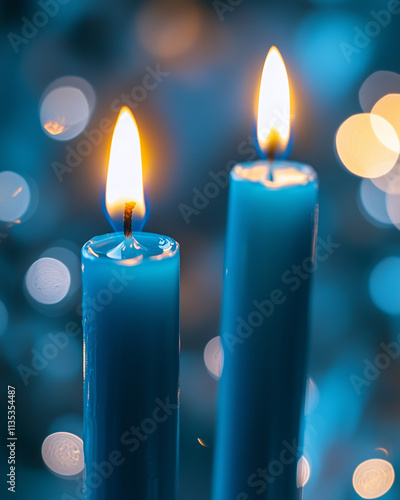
x=81, y=61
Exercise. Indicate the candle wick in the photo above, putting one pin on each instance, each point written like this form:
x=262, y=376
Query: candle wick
x=271, y=153
x=271, y=159
x=129, y=207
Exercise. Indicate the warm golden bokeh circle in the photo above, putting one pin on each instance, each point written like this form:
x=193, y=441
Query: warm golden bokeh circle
x=367, y=145
x=389, y=108
x=169, y=29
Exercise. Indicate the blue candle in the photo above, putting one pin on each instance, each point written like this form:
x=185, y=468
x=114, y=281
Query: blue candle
x=131, y=344
x=269, y=245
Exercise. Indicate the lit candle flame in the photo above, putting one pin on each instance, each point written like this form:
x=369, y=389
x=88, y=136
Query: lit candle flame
x=273, y=121
x=125, y=178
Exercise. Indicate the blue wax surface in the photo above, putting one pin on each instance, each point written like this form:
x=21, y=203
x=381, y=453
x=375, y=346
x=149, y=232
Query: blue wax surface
x=131, y=367
x=271, y=228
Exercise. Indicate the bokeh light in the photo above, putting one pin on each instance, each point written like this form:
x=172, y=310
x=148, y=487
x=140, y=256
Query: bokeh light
x=64, y=113
x=377, y=86
x=70, y=260
x=78, y=83
x=214, y=357
x=393, y=204
x=47, y=281
x=3, y=318
x=373, y=202
x=14, y=196
x=202, y=442
x=169, y=29
x=390, y=182
x=383, y=450
x=389, y=108
x=303, y=472
x=384, y=285
x=62, y=453
x=367, y=145
x=373, y=478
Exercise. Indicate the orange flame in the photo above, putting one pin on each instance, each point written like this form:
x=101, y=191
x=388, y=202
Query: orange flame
x=124, y=178
x=273, y=121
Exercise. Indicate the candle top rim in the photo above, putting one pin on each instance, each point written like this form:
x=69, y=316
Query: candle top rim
x=287, y=174
x=105, y=247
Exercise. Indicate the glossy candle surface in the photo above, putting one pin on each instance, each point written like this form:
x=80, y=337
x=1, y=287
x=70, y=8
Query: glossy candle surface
x=131, y=367
x=271, y=228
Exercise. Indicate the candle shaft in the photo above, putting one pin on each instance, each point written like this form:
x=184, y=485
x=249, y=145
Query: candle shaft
x=270, y=234
x=131, y=368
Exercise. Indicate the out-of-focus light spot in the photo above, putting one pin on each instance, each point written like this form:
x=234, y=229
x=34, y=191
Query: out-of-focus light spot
x=329, y=32
x=384, y=285
x=383, y=451
x=393, y=207
x=202, y=443
x=64, y=113
x=78, y=83
x=373, y=478
x=373, y=202
x=169, y=29
x=390, y=182
x=71, y=261
x=3, y=318
x=214, y=357
x=389, y=108
x=376, y=86
x=62, y=453
x=303, y=472
x=367, y=145
x=14, y=196
x=55, y=128
x=47, y=281
x=312, y=396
